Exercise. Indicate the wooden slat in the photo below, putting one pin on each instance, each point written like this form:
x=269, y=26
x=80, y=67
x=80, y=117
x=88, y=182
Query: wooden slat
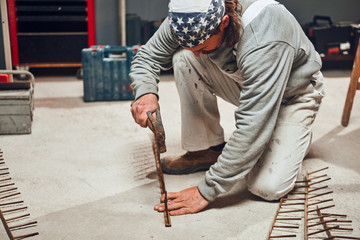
x=353, y=86
x=49, y=65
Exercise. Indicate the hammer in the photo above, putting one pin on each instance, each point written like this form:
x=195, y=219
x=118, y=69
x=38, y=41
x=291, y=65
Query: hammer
x=159, y=146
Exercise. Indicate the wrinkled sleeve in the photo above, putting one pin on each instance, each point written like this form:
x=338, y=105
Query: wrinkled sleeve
x=151, y=58
x=266, y=71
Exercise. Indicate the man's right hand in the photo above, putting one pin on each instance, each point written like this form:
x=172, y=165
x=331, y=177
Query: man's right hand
x=141, y=106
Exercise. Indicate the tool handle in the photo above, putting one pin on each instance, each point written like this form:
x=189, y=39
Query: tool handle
x=150, y=124
x=318, y=18
x=18, y=72
x=161, y=180
x=153, y=122
x=155, y=125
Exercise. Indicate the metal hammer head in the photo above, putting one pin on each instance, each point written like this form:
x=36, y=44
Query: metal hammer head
x=158, y=129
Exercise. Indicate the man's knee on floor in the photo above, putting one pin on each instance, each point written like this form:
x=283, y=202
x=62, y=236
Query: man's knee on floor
x=270, y=190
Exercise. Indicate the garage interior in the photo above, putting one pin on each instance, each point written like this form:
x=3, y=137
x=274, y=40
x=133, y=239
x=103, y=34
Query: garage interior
x=86, y=170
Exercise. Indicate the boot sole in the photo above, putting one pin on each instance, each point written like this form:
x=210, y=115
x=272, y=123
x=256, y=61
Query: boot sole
x=180, y=171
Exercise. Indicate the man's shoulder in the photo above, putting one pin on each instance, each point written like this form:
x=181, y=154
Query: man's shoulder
x=274, y=24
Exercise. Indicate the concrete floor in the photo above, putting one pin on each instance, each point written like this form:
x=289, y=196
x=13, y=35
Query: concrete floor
x=87, y=170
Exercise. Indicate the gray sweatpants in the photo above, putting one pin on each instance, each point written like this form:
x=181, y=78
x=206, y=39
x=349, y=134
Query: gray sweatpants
x=200, y=82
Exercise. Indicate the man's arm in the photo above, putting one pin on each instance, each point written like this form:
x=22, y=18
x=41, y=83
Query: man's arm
x=151, y=59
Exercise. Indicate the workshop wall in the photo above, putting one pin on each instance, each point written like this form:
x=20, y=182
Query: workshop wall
x=106, y=22
x=107, y=19
x=338, y=10
x=106, y=13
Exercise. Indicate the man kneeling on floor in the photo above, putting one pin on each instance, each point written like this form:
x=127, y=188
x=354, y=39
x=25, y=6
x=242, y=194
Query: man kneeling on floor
x=253, y=54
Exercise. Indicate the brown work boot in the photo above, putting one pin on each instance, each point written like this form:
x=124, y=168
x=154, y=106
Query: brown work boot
x=190, y=162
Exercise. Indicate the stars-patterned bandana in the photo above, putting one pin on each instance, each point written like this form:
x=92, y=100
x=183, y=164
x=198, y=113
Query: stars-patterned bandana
x=194, y=27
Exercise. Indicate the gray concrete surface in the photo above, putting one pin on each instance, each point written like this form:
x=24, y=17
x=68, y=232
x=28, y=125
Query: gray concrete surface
x=87, y=171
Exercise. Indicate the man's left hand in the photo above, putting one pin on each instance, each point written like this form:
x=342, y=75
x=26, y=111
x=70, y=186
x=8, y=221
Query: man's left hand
x=185, y=202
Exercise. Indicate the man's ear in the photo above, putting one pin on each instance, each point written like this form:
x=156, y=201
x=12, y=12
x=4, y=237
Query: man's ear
x=224, y=22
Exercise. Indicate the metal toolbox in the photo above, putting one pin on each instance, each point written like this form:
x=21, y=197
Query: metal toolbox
x=16, y=104
x=327, y=36
x=106, y=73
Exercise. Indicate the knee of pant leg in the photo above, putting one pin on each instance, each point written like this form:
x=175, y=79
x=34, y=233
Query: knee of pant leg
x=270, y=190
x=179, y=65
x=177, y=58
x=184, y=69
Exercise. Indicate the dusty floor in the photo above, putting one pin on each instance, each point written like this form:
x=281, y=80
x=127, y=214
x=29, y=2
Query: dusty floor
x=87, y=171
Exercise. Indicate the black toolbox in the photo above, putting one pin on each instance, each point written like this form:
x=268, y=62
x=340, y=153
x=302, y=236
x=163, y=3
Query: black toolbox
x=329, y=38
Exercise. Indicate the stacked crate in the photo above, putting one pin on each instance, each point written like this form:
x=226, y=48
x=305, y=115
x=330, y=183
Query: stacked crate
x=16, y=105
